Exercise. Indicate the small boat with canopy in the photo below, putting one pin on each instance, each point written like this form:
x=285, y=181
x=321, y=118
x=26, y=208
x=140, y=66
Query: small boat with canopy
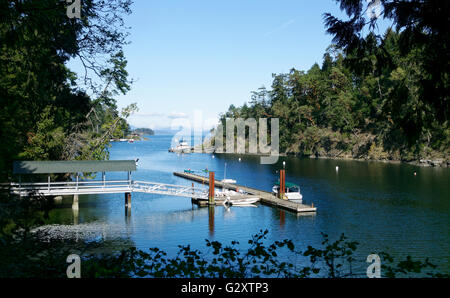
x=292, y=191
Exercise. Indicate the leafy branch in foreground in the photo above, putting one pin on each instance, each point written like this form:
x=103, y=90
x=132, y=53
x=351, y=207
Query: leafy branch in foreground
x=332, y=260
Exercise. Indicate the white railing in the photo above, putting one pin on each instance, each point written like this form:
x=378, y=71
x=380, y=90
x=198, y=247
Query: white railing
x=103, y=186
x=170, y=189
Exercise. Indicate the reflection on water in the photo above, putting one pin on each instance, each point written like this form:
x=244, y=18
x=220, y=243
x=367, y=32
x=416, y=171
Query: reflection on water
x=75, y=216
x=382, y=206
x=211, y=220
x=282, y=219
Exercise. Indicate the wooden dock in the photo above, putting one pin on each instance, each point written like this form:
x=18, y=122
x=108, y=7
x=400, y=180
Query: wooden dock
x=267, y=198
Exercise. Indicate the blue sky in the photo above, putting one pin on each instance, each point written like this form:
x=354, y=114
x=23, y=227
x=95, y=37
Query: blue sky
x=201, y=56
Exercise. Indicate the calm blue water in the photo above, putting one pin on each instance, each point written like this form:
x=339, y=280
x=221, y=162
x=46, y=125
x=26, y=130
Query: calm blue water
x=382, y=206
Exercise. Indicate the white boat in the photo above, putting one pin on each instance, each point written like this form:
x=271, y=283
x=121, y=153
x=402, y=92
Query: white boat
x=229, y=181
x=182, y=147
x=292, y=192
x=225, y=180
x=208, y=150
x=225, y=193
x=240, y=202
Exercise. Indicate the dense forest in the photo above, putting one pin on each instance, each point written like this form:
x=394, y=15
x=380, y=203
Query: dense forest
x=380, y=97
x=48, y=112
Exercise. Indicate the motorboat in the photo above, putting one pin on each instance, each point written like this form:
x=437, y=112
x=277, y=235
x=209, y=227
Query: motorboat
x=240, y=202
x=208, y=150
x=292, y=192
x=229, y=181
x=225, y=193
x=182, y=147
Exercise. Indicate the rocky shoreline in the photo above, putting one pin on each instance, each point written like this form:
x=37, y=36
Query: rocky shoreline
x=440, y=162
x=431, y=162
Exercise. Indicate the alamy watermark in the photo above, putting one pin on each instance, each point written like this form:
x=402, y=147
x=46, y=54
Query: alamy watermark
x=374, y=269
x=237, y=141
x=74, y=269
x=73, y=9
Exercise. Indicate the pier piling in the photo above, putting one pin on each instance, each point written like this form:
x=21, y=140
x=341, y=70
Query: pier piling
x=282, y=184
x=211, y=188
x=75, y=202
x=128, y=200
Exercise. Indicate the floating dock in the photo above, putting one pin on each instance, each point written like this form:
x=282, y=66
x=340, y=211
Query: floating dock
x=266, y=197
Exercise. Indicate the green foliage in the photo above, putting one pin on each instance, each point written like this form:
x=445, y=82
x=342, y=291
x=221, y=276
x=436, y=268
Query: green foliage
x=333, y=260
x=46, y=112
x=410, y=62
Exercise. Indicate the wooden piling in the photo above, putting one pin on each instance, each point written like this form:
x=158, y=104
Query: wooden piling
x=211, y=188
x=282, y=184
x=128, y=200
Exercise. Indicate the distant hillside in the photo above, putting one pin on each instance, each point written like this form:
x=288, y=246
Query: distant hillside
x=144, y=131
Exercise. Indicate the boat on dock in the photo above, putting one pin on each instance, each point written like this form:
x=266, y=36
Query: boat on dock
x=225, y=193
x=240, y=202
x=225, y=180
x=267, y=198
x=230, y=181
x=292, y=192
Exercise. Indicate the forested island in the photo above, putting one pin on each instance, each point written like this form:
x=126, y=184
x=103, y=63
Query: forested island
x=381, y=97
x=144, y=131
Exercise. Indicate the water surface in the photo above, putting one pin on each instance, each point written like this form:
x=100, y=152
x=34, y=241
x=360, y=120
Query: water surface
x=382, y=206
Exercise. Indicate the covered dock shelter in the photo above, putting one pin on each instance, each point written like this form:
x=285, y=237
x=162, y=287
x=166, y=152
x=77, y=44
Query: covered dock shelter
x=76, y=187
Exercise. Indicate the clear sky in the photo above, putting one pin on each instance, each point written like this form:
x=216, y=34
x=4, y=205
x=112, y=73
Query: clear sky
x=203, y=55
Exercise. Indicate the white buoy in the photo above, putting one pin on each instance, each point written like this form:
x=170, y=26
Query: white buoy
x=213, y=156
x=239, y=159
x=337, y=168
x=284, y=163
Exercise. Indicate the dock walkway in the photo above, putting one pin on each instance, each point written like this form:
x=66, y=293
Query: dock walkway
x=267, y=198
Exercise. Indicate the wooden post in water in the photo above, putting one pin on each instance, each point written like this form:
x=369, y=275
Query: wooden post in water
x=282, y=183
x=128, y=200
x=211, y=188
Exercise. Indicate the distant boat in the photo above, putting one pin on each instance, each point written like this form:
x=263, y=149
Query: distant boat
x=209, y=150
x=182, y=147
x=189, y=171
x=130, y=141
x=292, y=192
